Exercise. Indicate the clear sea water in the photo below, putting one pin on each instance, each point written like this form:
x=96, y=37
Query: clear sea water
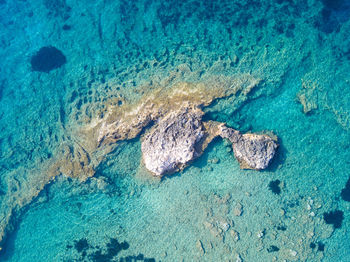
x=297, y=210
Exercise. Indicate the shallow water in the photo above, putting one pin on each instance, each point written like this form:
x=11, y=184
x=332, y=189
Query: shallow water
x=212, y=210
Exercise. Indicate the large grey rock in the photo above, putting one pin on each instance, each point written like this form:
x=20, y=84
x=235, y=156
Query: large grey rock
x=173, y=142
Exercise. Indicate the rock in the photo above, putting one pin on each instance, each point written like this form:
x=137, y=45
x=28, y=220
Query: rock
x=308, y=97
x=173, y=142
x=238, y=210
x=235, y=235
x=223, y=225
x=254, y=151
x=200, y=247
x=272, y=248
x=260, y=234
x=229, y=133
x=293, y=252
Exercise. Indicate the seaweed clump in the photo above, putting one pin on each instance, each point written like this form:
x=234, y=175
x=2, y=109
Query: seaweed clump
x=274, y=186
x=113, y=249
x=334, y=218
x=272, y=249
x=47, y=58
x=345, y=193
x=333, y=4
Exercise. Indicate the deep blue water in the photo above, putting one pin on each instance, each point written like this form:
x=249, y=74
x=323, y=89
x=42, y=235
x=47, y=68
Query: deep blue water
x=62, y=61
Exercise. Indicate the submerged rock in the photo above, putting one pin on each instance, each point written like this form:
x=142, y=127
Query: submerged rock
x=173, y=142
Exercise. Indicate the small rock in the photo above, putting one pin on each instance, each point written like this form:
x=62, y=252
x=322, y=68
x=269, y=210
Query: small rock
x=235, y=235
x=200, y=247
x=272, y=248
x=260, y=234
x=216, y=232
x=224, y=225
x=293, y=252
x=239, y=259
x=238, y=210
x=208, y=225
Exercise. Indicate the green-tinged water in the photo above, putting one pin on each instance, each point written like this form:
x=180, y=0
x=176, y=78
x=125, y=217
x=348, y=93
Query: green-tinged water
x=116, y=51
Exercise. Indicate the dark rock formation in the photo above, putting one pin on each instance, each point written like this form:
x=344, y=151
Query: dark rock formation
x=47, y=58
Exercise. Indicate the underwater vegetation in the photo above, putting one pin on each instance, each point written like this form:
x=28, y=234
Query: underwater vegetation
x=334, y=218
x=47, y=58
x=274, y=186
x=345, y=193
x=334, y=13
x=106, y=253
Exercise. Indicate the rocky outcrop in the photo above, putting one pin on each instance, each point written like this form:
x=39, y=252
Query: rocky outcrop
x=180, y=136
x=173, y=142
x=252, y=151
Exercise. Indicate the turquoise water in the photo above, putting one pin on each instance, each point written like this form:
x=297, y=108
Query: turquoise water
x=212, y=210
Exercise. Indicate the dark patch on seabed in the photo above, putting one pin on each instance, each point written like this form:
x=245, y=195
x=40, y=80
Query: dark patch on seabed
x=58, y=8
x=334, y=218
x=272, y=248
x=281, y=227
x=274, y=186
x=47, y=58
x=106, y=253
x=334, y=13
x=320, y=246
x=345, y=193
